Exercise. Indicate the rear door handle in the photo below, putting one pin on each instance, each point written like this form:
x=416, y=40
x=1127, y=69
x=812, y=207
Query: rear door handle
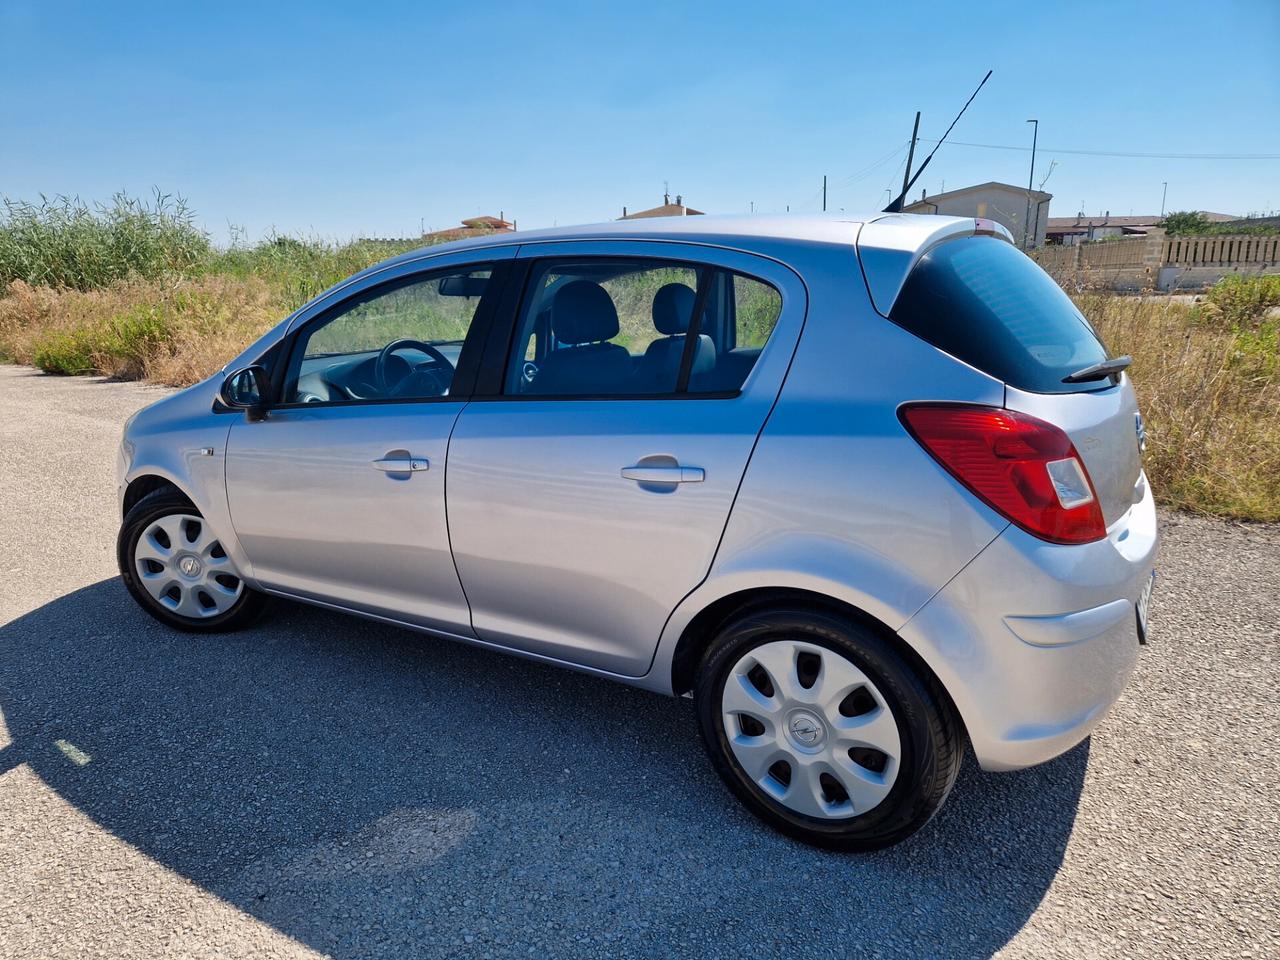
x=645, y=474
x=402, y=464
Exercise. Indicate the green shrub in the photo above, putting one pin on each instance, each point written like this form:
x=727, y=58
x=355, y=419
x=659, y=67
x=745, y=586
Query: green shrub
x=65, y=351
x=120, y=344
x=63, y=242
x=1185, y=223
x=1193, y=223
x=1240, y=301
x=301, y=269
x=125, y=343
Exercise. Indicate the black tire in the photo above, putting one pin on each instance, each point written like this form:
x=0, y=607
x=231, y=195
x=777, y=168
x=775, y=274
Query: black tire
x=155, y=506
x=932, y=743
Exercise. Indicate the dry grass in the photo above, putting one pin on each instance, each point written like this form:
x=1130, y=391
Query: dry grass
x=1210, y=394
x=174, y=333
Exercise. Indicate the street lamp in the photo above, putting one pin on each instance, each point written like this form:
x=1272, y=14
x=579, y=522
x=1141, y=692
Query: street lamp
x=1026, y=220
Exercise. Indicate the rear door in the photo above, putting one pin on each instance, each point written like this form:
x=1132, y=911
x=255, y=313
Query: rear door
x=588, y=491
x=986, y=303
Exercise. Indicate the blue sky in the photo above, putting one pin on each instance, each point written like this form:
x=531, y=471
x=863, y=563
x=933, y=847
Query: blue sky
x=369, y=119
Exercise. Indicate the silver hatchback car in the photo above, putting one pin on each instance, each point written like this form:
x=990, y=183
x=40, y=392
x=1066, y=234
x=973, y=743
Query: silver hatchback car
x=865, y=489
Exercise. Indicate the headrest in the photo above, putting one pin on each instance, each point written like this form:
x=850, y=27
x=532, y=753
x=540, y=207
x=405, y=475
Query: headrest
x=583, y=312
x=673, y=309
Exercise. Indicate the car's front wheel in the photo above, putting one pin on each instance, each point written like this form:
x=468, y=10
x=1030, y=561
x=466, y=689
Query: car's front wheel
x=173, y=564
x=824, y=729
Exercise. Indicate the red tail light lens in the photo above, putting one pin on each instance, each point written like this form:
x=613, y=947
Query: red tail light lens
x=1022, y=467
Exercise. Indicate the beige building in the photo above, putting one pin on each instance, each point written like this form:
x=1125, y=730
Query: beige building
x=1002, y=202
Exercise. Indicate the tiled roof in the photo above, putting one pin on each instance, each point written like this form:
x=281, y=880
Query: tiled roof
x=666, y=210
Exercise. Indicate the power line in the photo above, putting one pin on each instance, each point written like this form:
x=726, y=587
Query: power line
x=865, y=172
x=872, y=167
x=861, y=174
x=1117, y=153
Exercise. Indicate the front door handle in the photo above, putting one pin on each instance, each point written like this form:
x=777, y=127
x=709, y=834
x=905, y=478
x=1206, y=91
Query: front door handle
x=402, y=464
x=677, y=474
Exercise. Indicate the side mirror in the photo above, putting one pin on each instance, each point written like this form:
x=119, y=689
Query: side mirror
x=247, y=389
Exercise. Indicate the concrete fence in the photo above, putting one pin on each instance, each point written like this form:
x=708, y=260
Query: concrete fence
x=1158, y=262
x=1221, y=251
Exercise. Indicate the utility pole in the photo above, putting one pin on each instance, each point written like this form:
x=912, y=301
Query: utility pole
x=1164, y=196
x=1026, y=221
x=911, y=153
x=824, y=193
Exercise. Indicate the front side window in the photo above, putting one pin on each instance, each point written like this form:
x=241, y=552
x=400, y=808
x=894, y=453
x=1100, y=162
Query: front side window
x=626, y=328
x=400, y=342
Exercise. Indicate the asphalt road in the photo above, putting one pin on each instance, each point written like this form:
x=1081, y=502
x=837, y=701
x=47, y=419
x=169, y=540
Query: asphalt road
x=325, y=785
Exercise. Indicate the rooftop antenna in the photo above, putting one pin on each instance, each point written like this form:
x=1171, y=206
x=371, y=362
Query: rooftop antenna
x=895, y=206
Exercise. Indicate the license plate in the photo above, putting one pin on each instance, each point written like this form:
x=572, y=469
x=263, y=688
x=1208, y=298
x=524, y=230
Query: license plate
x=1143, y=602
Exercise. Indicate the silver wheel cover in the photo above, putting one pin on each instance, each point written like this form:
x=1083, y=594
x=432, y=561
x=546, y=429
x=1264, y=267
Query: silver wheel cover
x=182, y=565
x=804, y=729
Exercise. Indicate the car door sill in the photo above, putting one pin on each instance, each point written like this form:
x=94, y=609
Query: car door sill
x=641, y=681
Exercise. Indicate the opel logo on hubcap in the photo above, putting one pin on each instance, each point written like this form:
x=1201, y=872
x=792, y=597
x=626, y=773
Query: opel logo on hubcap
x=189, y=566
x=805, y=729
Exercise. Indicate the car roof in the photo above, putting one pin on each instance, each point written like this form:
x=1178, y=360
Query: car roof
x=746, y=231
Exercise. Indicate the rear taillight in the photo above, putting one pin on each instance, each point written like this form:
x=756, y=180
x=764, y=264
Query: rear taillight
x=1024, y=468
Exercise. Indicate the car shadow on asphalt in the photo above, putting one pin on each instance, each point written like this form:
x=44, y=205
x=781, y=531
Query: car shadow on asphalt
x=373, y=792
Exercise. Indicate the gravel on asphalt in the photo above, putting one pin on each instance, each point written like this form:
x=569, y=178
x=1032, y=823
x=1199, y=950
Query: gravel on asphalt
x=324, y=785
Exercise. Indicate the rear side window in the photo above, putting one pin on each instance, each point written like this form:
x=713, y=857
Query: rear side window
x=984, y=302
x=613, y=327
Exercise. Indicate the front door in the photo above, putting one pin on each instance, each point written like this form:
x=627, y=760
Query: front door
x=587, y=498
x=338, y=495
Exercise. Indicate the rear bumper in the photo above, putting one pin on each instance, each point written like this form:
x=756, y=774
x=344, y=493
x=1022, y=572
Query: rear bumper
x=1035, y=641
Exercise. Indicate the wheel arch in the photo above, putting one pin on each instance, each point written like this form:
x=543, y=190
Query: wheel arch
x=704, y=626
x=146, y=484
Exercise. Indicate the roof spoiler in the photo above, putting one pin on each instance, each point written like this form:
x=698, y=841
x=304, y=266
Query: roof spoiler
x=889, y=246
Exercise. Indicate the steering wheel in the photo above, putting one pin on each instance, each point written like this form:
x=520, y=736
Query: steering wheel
x=381, y=367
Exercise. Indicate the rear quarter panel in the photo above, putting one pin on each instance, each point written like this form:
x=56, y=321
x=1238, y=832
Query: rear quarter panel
x=1103, y=426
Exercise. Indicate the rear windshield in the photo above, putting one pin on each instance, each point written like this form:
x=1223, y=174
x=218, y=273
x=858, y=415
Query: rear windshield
x=984, y=302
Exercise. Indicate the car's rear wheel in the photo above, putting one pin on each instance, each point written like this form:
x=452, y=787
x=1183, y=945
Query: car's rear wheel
x=824, y=729
x=175, y=566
